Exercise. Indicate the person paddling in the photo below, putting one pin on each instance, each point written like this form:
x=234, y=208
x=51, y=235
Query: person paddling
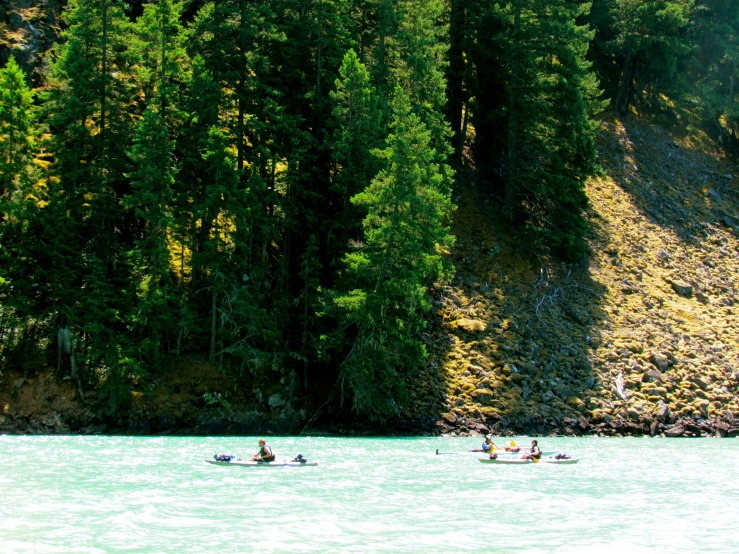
x=534, y=452
x=488, y=446
x=265, y=453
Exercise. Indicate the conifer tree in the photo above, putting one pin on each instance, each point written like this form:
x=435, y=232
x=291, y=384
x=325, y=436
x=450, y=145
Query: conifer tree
x=151, y=202
x=405, y=235
x=715, y=67
x=87, y=109
x=650, y=38
x=16, y=134
x=358, y=131
x=21, y=193
x=161, y=63
x=550, y=99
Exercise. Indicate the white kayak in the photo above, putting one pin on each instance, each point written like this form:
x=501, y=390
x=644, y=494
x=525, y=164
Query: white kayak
x=249, y=463
x=498, y=452
x=526, y=461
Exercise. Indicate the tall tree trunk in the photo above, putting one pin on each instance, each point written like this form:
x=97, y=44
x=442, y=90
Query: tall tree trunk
x=240, y=145
x=104, y=80
x=213, y=322
x=514, y=138
x=623, y=99
x=455, y=73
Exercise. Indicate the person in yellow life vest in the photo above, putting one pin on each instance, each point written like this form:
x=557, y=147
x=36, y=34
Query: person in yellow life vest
x=488, y=446
x=512, y=447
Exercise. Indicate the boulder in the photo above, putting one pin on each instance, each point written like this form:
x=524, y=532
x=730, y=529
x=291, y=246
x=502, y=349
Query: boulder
x=662, y=362
x=653, y=427
x=276, y=400
x=471, y=325
x=663, y=413
x=583, y=423
x=483, y=396
x=681, y=288
x=449, y=418
x=651, y=376
x=675, y=431
x=575, y=402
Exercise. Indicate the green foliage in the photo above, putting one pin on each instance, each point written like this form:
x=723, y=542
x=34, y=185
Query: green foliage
x=404, y=239
x=650, y=39
x=714, y=70
x=553, y=102
x=194, y=181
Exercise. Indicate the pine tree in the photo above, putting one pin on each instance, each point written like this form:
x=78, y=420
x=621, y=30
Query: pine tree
x=162, y=62
x=87, y=109
x=715, y=67
x=550, y=99
x=151, y=202
x=16, y=134
x=404, y=238
x=21, y=195
x=651, y=37
x=358, y=131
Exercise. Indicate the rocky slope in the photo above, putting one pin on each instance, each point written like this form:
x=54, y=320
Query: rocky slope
x=642, y=338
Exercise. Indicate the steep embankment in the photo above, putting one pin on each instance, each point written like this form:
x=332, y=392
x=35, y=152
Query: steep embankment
x=642, y=338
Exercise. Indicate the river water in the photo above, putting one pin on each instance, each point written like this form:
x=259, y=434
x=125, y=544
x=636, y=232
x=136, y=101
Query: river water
x=156, y=494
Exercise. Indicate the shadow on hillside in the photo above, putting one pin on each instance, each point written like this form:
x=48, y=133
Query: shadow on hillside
x=674, y=184
x=511, y=335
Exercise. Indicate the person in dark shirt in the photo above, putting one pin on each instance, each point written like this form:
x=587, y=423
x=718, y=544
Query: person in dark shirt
x=265, y=453
x=534, y=452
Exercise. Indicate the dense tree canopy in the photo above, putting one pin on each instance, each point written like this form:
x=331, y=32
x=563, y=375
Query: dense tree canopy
x=268, y=185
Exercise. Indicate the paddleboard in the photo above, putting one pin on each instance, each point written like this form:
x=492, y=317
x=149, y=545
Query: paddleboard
x=249, y=463
x=523, y=461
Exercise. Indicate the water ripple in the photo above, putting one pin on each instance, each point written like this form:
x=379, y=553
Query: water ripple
x=144, y=494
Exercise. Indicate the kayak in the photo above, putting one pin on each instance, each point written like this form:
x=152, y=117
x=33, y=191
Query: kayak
x=249, y=463
x=499, y=452
x=525, y=461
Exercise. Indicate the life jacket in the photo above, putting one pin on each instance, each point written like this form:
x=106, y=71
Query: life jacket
x=266, y=457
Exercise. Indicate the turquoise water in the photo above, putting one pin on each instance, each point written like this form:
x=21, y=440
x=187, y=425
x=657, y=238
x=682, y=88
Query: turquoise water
x=156, y=494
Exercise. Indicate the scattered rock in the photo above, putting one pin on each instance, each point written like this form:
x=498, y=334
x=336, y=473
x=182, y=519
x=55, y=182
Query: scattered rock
x=651, y=376
x=675, y=431
x=471, y=325
x=276, y=400
x=449, y=418
x=661, y=361
x=683, y=289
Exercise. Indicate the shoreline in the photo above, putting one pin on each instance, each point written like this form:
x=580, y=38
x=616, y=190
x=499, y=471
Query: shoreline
x=207, y=425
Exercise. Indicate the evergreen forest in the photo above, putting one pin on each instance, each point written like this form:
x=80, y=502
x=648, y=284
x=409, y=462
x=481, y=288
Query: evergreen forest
x=269, y=186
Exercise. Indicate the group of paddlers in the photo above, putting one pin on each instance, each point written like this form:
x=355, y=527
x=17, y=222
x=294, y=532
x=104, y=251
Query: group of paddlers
x=489, y=447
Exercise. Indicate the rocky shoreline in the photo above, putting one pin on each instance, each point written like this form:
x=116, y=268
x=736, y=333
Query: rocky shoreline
x=250, y=424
